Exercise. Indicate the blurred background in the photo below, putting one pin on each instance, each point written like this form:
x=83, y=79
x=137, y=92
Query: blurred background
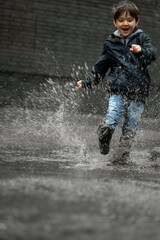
x=46, y=37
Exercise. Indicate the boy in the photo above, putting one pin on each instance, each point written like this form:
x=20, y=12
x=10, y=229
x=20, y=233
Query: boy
x=127, y=53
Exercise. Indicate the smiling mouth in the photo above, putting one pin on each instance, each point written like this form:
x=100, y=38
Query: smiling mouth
x=125, y=29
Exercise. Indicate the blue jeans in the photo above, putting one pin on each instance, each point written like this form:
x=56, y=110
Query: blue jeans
x=133, y=111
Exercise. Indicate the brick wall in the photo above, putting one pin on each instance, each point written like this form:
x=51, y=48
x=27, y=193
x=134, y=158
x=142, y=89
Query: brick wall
x=49, y=36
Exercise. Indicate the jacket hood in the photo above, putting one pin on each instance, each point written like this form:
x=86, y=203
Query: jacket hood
x=125, y=40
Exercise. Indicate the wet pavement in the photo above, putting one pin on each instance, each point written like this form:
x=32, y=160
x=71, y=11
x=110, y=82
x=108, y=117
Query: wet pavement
x=48, y=201
x=54, y=184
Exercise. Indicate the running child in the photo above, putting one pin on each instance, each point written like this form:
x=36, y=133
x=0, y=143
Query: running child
x=127, y=53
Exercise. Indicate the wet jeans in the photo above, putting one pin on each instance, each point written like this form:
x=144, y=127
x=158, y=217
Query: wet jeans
x=132, y=112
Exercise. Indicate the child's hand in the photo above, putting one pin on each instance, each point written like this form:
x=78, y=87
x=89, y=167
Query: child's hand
x=79, y=84
x=135, y=48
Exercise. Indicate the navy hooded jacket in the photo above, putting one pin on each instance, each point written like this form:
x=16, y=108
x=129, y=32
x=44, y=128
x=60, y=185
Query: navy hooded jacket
x=128, y=71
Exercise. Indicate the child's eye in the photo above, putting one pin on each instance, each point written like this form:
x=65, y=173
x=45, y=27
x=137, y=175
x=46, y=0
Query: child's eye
x=120, y=20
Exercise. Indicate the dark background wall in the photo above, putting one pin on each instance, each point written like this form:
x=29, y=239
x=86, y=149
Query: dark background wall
x=55, y=37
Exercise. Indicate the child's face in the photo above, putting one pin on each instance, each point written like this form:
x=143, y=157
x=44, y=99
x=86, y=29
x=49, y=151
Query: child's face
x=125, y=24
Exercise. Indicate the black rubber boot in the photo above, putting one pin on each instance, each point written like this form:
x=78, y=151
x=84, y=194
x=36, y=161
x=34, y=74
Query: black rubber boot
x=120, y=157
x=105, y=134
x=122, y=154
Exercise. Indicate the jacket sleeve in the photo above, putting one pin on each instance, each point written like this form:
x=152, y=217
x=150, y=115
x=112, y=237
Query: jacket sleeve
x=99, y=70
x=148, y=53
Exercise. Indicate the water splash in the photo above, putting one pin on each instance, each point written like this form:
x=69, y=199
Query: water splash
x=57, y=121
x=48, y=121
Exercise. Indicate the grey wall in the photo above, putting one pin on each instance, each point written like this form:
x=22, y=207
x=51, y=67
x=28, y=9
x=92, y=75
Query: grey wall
x=50, y=36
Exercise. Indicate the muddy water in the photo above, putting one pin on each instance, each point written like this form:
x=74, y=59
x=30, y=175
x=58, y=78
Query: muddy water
x=54, y=184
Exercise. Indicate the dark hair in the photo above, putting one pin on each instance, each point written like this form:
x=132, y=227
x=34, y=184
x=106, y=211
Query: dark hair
x=125, y=6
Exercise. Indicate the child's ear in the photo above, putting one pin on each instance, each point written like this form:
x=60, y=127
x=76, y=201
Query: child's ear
x=114, y=22
x=137, y=22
